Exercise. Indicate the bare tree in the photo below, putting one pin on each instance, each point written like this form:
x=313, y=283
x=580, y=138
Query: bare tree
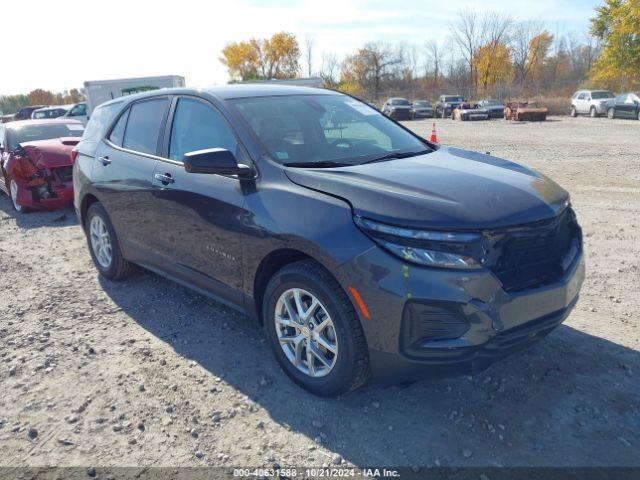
x=308, y=53
x=470, y=32
x=329, y=70
x=434, y=60
x=521, y=52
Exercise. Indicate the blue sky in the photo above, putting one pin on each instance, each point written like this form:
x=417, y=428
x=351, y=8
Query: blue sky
x=124, y=38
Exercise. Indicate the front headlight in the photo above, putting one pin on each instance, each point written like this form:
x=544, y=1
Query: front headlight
x=426, y=247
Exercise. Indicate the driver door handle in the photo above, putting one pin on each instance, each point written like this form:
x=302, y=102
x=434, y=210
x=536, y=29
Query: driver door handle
x=104, y=160
x=164, y=178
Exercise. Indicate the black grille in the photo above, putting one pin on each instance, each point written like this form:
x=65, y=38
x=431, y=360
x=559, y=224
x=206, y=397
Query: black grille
x=533, y=255
x=64, y=174
x=424, y=321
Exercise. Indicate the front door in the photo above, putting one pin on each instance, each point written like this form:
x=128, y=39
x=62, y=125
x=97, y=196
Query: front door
x=199, y=215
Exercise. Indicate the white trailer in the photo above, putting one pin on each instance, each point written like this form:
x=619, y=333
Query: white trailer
x=100, y=91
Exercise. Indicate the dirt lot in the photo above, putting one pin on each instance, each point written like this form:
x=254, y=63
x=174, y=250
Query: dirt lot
x=145, y=372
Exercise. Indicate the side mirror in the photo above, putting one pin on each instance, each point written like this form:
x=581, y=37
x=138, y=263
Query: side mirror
x=214, y=161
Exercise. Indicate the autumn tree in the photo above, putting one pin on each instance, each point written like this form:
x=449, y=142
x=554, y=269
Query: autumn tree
x=617, y=26
x=275, y=57
x=493, y=64
x=41, y=97
x=366, y=69
x=529, y=48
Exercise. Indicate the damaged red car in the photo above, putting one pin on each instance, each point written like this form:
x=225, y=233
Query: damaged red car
x=37, y=162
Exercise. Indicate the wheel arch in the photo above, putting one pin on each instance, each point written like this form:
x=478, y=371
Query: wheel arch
x=88, y=200
x=270, y=264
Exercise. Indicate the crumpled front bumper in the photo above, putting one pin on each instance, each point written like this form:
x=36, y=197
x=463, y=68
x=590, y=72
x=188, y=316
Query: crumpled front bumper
x=63, y=197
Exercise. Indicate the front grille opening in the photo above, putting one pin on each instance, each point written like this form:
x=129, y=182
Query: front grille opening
x=423, y=321
x=534, y=256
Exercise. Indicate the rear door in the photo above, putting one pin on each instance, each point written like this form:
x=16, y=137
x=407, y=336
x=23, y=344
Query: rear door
x=123, y=175
x=199, y=216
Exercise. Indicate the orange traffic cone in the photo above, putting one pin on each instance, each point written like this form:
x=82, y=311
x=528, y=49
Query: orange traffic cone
x=433, y=138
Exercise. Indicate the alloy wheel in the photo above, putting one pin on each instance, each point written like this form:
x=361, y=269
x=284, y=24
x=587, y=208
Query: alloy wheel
x=100, y=241
x=306, y=332
x=13, y=189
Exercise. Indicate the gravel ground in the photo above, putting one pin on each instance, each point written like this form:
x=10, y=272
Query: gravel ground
x=145, y=372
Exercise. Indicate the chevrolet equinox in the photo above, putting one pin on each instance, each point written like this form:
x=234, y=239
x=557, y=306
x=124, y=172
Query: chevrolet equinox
x=361, y=248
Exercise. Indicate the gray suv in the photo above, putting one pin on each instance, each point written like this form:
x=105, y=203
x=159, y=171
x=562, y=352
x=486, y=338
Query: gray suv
x=361, y=248
x=590, y=102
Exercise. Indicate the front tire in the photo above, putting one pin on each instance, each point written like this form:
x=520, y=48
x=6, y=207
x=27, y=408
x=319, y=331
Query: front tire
x=13, y=193
x=103, y=244
x=573, y=112
x=314, y=331
x=611, y=114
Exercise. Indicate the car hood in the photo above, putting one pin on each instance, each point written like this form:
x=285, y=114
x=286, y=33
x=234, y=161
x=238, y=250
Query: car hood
x=449, y=188
x=52, y=153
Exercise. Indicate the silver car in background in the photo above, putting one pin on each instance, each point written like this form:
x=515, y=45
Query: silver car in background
x=591, y=102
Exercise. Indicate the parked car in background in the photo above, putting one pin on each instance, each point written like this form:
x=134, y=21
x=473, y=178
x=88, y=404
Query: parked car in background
x=402, y=258
x=49, y=112
x=591, y=102
x=626, y=105
x=37, y=162
x=525, y=111
x=468, y=111
x=25, y=112
x=446, y=104
x=421, y=109
x=495, y=107
x=8, y=118
x=397, y=108
x=78, y=112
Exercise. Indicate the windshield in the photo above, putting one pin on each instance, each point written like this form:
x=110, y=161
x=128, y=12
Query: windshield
x=302, y=129
x=453, y=98
x=492, y=103
x=30, y=133
x=600, y=95
x=422, y=104
x=399, y=101
x=52, y=113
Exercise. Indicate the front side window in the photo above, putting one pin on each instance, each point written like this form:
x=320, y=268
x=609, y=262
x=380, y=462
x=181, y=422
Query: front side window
x=143, y=126
x=303, y=129
x=198, y=126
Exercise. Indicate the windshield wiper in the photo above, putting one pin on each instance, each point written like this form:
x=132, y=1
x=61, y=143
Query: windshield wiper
x=395, y=156
x=319, y=164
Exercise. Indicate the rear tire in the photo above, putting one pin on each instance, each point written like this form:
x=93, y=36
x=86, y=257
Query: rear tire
x=349, y=367
x=592, y=112
x=104, y=246
x=638, y=115
x=611, y=114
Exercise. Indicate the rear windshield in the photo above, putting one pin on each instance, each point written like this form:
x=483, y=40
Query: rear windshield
x=30, y=133
x=453, y=98
x=492, y=103
x=600, y=95
x=323, y=128
x=399, y=101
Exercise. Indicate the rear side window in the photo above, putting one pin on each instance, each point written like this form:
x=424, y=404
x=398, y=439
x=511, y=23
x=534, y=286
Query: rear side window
x=100, y=120
x=197, y=126
x=143, y=126
x=117, y=134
